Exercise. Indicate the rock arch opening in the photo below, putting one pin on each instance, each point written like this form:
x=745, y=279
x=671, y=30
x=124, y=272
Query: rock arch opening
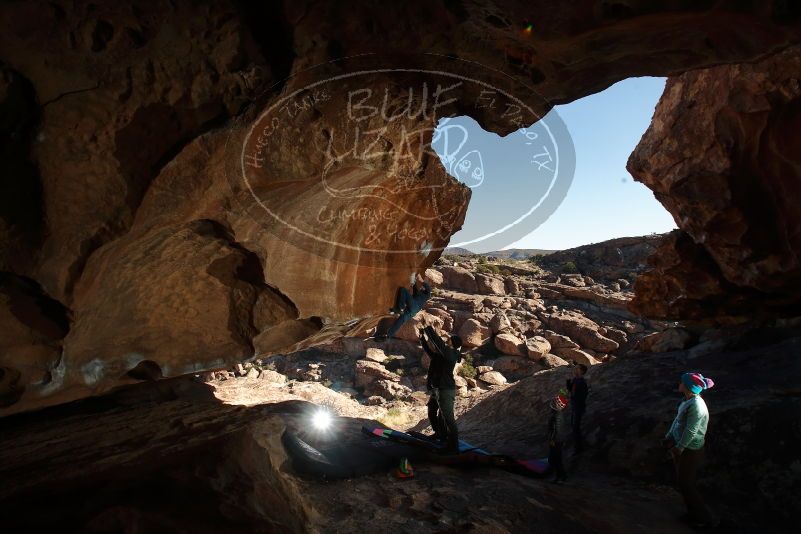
x=510, y=176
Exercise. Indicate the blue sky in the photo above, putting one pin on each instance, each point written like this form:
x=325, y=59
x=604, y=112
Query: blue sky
x=603, y=201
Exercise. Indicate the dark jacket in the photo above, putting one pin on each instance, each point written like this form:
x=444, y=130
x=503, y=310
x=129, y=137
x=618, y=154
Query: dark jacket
x=443, y=360
x=556, y=426
x=578, y=394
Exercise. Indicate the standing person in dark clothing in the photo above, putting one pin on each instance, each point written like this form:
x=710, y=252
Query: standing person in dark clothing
x=556, y=436
x=407, y=304
x=577, y=386
x=442, y=386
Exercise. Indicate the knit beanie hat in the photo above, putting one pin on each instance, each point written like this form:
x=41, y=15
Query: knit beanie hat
x=696, y=382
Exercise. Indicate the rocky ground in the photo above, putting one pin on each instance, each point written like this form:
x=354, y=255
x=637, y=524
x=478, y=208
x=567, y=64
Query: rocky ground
x=205, y=454
x=189, y=456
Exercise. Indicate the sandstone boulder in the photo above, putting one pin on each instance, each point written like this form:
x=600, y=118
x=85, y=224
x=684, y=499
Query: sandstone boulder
x=499, y=323
x=511, y=285
x=549, y=361
x=597, y=295
x=537, y=347
x=576, y=355
x=558, y=341
x=509, y=344
x=252, y=373
x=492, y=302
x=462, y=302
x=375, y=400
x=493, y=378
x=459, y=318
x=575, y=280
x=617, y=335
x=434, y=278
x=410, y=331
x=285, y=336
x=666, y=341
x=736, y=250
x=388, y=389
x=375, y=354
x=531, y=305
x=581, y=329
x=447, y=319
x=549, y=292
x=632, y=328
x=489, y=285
x=514, y=366
x=531, y=327
x=473, y=333
x=367, y=372
x=484, y=316
x=458, y=279
x=134, y=305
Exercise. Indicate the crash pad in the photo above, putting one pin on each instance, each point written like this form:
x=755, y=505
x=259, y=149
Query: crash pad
x=348, y=459
x=467, y=455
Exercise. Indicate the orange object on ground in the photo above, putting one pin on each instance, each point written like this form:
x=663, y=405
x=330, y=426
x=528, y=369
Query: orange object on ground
x=404, y=470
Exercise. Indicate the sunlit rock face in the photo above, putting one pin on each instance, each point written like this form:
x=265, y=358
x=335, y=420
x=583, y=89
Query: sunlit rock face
x=147, y=191
x=723, y=156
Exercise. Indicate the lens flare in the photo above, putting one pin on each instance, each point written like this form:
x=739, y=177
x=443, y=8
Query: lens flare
x=321, y=420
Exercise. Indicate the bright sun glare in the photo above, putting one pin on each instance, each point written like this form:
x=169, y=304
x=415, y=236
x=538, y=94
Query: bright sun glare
x=321, y=419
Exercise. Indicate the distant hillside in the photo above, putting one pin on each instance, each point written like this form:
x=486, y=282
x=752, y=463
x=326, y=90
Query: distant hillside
x=517, y=253
x=612, y=259
x=457, y=251
x=512, y=253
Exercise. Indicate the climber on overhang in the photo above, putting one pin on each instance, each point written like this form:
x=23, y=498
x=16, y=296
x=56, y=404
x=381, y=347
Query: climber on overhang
x=408, y=304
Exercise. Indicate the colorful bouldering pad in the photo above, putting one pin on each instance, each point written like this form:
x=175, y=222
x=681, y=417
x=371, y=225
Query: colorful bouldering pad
x=467, y=455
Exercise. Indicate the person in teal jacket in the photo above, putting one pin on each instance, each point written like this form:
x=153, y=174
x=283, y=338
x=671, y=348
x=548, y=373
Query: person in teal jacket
x=686, y=441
